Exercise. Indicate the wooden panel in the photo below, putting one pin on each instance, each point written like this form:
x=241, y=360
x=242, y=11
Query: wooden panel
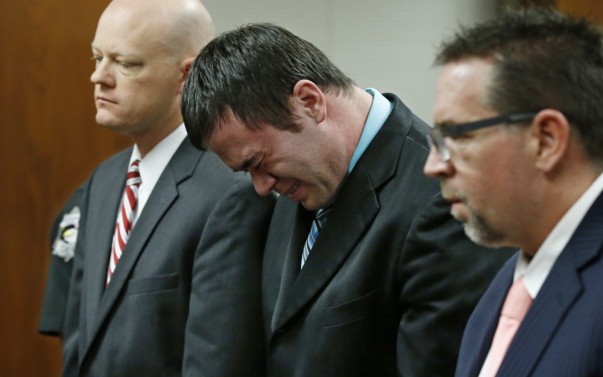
x=591, y=9
x=49, y=143
x=544, y=3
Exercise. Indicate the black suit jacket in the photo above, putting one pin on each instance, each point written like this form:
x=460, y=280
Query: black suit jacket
x=391, y=279
x=185, y=296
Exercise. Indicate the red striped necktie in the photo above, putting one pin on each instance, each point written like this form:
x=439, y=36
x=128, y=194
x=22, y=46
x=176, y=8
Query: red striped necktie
x=123, y=226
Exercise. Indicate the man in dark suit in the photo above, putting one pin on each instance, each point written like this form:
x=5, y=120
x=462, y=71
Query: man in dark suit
x=518, y=149
x=381, y=284
x=166, y=274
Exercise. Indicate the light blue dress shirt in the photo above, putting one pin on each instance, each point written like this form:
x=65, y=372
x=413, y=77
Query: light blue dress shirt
x=380, y=110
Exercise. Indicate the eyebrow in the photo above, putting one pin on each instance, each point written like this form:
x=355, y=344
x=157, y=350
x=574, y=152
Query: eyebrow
x=114, y=54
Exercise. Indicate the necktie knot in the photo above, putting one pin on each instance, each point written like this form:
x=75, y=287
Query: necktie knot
x=133, y=176
x=518, y=301
x=317, y=224
x=321, y=217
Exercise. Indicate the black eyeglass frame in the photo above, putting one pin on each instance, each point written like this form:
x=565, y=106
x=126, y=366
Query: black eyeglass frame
x=436, y=137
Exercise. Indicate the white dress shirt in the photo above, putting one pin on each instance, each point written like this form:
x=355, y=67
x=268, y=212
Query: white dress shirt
x=153, y=164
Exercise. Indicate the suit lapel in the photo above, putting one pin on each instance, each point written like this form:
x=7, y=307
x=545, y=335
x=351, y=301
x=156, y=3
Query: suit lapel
x=104, y=202
x=328, y=253
x=165, y=192
x=360, y=189
x=560, y=290
x=292, y=262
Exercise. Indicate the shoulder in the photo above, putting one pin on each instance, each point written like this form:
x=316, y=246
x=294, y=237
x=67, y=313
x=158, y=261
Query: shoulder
x=402, y=113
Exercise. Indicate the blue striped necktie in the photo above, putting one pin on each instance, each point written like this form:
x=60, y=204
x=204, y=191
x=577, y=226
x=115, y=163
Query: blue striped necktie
x=317, y=225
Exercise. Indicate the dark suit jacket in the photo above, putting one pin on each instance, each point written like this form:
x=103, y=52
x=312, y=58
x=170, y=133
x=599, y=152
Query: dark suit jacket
x=391, y=279
x=562, y=333
x=185, y=296
x=54, y=303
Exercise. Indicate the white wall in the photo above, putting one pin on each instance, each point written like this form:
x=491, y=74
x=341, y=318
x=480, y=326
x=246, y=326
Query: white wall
x=386, y=44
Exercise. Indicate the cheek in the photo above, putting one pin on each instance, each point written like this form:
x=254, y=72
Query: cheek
x=496, y=185
x=334, y=164
x=153, y=89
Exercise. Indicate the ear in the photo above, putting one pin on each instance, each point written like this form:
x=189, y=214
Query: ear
x=311, y=99
x=551, y=131
x=185, y=66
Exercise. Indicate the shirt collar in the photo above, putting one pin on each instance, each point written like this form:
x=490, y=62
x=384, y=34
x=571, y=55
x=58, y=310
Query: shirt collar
x=154, y=162
x=380, y=110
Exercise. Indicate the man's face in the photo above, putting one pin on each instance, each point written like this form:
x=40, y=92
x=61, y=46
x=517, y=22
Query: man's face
x=486, y=179
x=136, y=83
x=307, y=165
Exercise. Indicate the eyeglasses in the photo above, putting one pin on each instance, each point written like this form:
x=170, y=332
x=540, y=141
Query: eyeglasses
x=436, y=137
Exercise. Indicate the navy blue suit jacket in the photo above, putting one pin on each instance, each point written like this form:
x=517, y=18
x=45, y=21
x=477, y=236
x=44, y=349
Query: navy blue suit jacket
x=562, y=333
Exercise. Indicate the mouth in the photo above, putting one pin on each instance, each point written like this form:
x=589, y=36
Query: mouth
x=452, y=200
x=102, y=99
x=450, y=195
x=457, y=207
x=292, y=190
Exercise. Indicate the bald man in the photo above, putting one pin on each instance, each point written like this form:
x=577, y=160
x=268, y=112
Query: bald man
x=166, y=268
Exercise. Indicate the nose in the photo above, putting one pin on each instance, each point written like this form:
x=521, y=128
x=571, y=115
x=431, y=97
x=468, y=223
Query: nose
x=263, y=182
x=436, y=167
x=101, y=74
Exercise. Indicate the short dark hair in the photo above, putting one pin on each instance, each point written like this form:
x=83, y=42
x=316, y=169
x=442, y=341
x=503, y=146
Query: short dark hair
x=541, y=59
x=252, y=70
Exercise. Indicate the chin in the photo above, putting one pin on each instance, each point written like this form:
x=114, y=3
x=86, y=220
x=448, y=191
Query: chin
x=309, y=206
x=459, y=215
x=108, y=122
x=103, y=119
x=314, y=198
x=482, y=234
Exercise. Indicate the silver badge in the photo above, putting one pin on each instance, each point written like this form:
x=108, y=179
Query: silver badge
x=64, y=243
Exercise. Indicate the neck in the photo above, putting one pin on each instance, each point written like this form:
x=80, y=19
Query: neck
x=350, y=114
x=147, y=140
x=561, y=190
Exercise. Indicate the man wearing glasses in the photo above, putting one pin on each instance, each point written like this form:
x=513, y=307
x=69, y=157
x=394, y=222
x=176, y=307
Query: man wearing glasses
x=518, y=149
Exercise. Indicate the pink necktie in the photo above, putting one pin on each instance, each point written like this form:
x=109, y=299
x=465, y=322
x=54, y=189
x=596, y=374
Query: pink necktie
x=516, y=306
x=125, y=217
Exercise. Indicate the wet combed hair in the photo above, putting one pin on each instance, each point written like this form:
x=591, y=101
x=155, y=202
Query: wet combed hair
x=541, y=59
x=252, y=70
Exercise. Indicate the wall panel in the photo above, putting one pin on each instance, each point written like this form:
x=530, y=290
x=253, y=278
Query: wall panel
x=49, y=143
x=592, y=9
